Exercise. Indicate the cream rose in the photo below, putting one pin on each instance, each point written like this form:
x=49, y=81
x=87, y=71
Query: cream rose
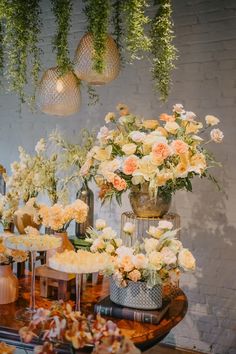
x=156, y=259
x=129, y=149
x=150, y=244
x=140, y=261
x=164, y=224
x=186, y=260
x=135, y=275
x=172, y=127
x=211, y=120
x=110, y=117
x=108, y=233
x=137, y=136
x=150, y=124
x=155, y=232
x=217, y=135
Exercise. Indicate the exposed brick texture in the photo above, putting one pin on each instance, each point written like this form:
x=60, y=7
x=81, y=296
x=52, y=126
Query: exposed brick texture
x=205, y=82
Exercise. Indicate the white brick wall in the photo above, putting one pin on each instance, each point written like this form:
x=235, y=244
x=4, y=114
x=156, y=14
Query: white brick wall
x=205, y=82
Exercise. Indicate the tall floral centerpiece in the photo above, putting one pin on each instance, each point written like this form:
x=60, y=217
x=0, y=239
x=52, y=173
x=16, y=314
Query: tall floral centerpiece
x=151, y=158
x=143, y=269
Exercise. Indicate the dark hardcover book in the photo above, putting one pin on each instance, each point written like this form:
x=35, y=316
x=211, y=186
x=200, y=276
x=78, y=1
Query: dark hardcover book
x=108, y=308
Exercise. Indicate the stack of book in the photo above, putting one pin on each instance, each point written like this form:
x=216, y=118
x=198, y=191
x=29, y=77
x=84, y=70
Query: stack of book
x=106, y=307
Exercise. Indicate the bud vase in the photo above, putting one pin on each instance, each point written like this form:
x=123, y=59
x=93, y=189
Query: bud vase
x=65, y=245
x=8, y=285
x=87, y=196
x=146, y=206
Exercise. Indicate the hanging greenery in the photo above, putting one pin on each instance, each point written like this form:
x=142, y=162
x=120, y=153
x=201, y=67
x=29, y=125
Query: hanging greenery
x=1, y=50
x=22, y=26
x=97, y=13
x=163, y=50
x=62, y=10
x=117, y=22
x=135, y=19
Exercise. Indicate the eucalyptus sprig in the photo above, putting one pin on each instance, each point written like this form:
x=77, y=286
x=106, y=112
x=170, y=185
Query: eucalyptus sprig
x=135, y=20
x=163, y=50
x=62, y=10
x=97, y=13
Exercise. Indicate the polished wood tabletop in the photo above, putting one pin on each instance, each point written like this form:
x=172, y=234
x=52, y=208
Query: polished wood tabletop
x=144, y=335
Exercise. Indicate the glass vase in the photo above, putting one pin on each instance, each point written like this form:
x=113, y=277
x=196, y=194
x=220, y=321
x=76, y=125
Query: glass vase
x=87, y=196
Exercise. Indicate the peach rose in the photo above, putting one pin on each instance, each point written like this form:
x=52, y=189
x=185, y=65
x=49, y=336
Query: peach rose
x=179, y=147
x=167, y=118
x=172, y=127
x=150, y=124
x=126, y=263
x=161, y=151
x=119, y=183
x=217, y=135
x=135, y=275
x=130, y=165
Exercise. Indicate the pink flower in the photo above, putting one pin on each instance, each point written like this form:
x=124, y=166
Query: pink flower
x=167, y=118
x=160, y=151
x=130, y=165
x=119, y=183
x=179, y=147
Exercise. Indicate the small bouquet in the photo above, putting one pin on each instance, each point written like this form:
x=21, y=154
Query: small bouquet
x=161, y=156
x=58, y=217
x=60, y=324
x=8, y=206
x=8, y=256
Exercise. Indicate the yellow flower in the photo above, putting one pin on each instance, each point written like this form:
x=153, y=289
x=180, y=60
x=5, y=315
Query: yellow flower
x=129, y=149
x=103, y=154
x=162, y=131
x=172, y=127
x=146, y=168
x=163, y=177
x=211, y=120
x=150, y=124
x=198, y=163
x=193, y=127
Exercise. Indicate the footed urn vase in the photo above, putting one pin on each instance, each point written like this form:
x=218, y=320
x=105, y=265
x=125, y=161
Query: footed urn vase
x=8, y=285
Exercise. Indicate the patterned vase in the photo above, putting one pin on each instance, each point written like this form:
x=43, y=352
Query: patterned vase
x=8, y=285
x=136, y=295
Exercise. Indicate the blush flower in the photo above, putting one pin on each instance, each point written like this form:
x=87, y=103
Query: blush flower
x=130, y=165
x=135, y=275
x=161, y=151
x=179, y=147
x=217, y=135
x=167, y=118
x=119, y=183
x=211, y=120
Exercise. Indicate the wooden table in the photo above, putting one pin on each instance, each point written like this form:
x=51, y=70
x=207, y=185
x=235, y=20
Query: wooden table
x=144, y=335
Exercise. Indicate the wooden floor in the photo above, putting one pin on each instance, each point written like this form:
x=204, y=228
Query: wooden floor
x=164, y=349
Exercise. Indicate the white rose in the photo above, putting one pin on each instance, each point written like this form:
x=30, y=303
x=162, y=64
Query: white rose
x=108, y=233
x=164, y=224
x=156, y=259
x=118, y=242
x=150, y=244
x=211, y=120
x=98, y=244
x=178, y=108
x=129, y=149
x=124, y=251
x=110, y=249
x=168, y=256
x=217, y=135
x=155, y=232
x=140, y=261
x=186, y=260
x=100, y=224
x=172, y=127
x=129, y=228
x=137, y=136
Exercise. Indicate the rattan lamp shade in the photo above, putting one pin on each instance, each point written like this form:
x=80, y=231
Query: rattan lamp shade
x=83, y=63
x=59, y=95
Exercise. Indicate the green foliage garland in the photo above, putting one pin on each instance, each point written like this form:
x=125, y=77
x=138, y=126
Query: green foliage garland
x=135, y=20
x=117, y=22
x=22, y=26
x=97, y=13
x=62, y=11
x=164, y=52
x=1, y=50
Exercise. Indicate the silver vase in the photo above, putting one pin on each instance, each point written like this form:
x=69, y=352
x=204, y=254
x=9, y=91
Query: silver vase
x=146, y=206
x=87, y=196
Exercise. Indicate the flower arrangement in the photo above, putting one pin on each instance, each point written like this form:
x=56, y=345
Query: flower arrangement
x=158, y=258
x=163, y=155
x=8, y=256
x=60, y=324
x=8, y=206
x=58, y=217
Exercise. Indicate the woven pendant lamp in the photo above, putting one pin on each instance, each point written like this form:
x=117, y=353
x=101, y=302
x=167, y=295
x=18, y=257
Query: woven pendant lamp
x=58, y=94
x=83, y=63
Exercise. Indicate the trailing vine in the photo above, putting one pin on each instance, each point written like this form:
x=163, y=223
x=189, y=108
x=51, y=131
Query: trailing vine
x=136, y=39
x=22, y=26
x=163, y=50
x=97, y=13
x=1, y=50
x=62, y=10
x=117, y=23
